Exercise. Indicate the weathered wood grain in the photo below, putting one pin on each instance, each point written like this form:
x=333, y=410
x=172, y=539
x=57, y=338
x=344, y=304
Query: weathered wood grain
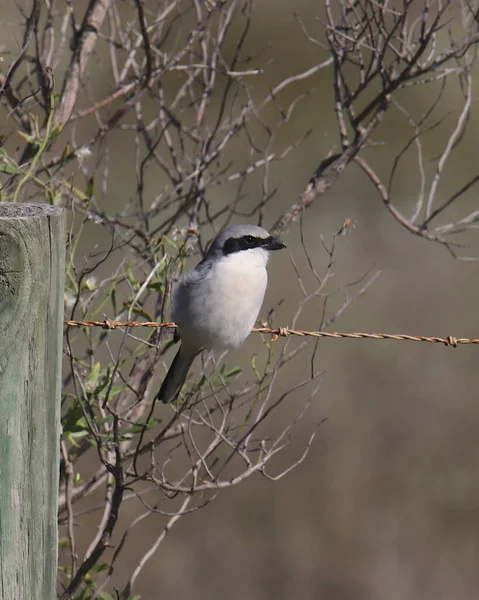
x=32, y=263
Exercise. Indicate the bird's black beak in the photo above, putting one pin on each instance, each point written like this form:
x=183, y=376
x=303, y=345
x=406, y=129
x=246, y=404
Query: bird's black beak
x=274, y=244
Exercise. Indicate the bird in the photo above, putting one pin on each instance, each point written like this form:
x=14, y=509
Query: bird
x=217, y=303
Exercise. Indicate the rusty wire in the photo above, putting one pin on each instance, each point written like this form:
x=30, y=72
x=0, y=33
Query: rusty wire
x=285, y=332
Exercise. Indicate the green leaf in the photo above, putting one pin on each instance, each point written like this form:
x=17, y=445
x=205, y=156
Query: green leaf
x=137, y=310
x=115, y=390
x=98, y=568
x=138, y=427
x=64, y=156
x=73, y=421
x=94, y=375
x=9, y=169
x=231, y=372
x=71, y=437
x=157, y=286
x=55, y=133
x=169, y=242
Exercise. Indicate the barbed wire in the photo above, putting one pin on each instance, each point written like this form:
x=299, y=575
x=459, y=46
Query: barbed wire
x=285, y=332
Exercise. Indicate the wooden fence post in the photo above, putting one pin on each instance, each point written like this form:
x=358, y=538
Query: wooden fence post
x=32, y=265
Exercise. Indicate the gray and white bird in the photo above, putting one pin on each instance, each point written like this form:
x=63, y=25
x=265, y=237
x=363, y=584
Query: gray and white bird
x=217, y=303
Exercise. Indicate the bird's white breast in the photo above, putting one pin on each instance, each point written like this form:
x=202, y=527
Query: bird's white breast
x=218, y=310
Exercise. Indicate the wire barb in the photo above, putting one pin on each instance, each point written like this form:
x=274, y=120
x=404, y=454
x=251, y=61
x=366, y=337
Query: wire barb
x=450, y=340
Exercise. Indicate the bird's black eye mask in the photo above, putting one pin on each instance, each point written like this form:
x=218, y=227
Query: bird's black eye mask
x=245, y=242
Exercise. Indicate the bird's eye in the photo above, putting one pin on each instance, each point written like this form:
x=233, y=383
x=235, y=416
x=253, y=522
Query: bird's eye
x=249, y=239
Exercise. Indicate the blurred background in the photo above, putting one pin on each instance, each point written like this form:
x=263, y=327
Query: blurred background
x=386, y=504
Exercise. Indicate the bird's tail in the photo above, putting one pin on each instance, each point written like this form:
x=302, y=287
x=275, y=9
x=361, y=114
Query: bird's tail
x=173, y=382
